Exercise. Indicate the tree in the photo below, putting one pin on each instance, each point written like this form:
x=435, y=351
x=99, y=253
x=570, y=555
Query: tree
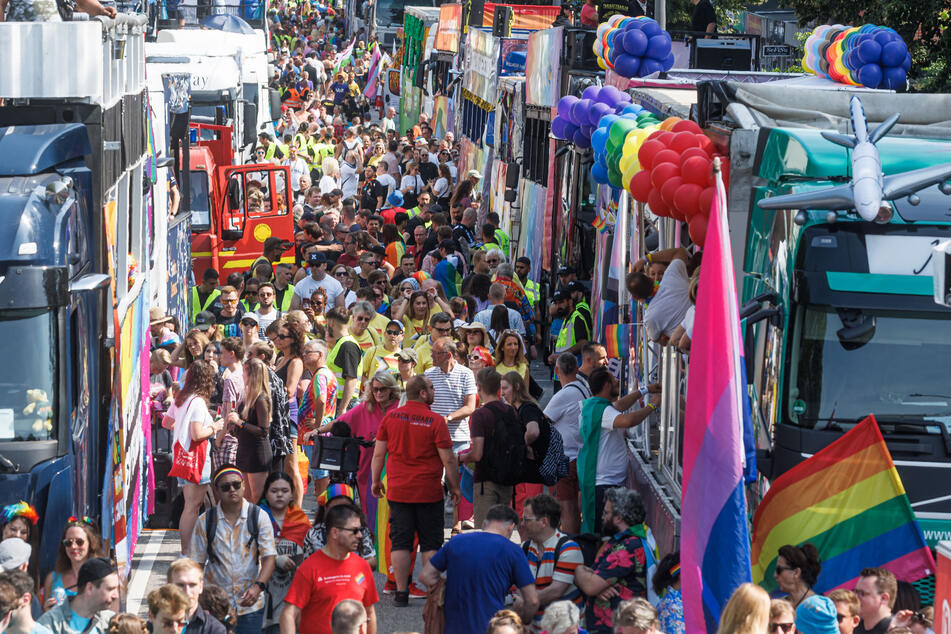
x=679, y=12
x=924, y=25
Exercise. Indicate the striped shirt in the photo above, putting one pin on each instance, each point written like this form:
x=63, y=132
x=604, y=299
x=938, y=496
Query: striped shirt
x=451, y=389
x=546, y=571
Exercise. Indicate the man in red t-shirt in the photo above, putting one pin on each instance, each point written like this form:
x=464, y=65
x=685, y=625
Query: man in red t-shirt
x=414, y=443
x=330, y=575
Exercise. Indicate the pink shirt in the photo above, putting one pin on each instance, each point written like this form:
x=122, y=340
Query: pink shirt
x=365, y=424
x=589, y=15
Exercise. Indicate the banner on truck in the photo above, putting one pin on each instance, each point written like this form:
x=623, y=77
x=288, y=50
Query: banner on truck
x=481, y=74
x=512, y=56
x=447, y=32
x=524, y=16
x=542, y=80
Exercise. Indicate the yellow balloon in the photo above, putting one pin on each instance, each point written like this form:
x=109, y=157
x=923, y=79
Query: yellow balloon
x=601, y=63
x=627, y=175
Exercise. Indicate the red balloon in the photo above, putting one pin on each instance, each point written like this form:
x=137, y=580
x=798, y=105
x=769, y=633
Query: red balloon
x=668, y=188
x=667, y=156
x=665, y=137
x=656, y=203
x=653, y=135
x=706, y=201
x=705, y=144
x=662, y=172
x=697, y=170
x=647, y=151
x=698, y=229
x=687, y=199
x=683, y=141
x=694, y=151
x=641, y=186
x=686, y=125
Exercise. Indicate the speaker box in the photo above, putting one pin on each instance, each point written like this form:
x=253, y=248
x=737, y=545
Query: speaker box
x=723, y=54
x=502, y=21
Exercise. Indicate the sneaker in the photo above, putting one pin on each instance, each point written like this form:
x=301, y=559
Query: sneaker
x=401, y=599
x=389, y=587
x=415, y=592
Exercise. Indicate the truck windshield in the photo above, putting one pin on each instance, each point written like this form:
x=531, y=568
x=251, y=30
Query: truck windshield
x=390, y=12
x=28, y=378
x=847, y=364
x=200, y=200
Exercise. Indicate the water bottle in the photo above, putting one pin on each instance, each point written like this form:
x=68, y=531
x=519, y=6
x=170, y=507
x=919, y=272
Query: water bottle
x=60, y=595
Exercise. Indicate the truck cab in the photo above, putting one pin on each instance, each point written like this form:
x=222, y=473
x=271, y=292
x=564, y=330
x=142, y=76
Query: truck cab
x=235, y=208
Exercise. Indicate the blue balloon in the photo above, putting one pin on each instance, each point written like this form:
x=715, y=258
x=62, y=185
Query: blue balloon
x=651, y=28
x=607, y=120
x=894, y=78
x=883, y=37
x=658, y=47
x=614, y=38
x=599, y=173
x=598, y=140
x=870, y=75
x=906, y=64
x=668, y=62
x=564, y=105
x=893, y=53
x=869, y=52
x=649, y=66
x=635, y=42
x=636, y=108
x=634, y=25
x=591, y=92
x=627, y=65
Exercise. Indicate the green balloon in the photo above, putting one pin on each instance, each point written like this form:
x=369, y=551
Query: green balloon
x=618, y=132
x=614, y=175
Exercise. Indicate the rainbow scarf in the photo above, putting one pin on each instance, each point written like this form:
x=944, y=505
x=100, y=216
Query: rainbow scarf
x=296, y=524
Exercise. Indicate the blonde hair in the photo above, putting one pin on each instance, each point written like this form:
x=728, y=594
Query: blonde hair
x=637, y=613
x=330, y=167
x=257, y=386
x=182, y=564
x=387, y=380
x=504, y=618
x=779, y=607
x=747, y=611
x=561, y=616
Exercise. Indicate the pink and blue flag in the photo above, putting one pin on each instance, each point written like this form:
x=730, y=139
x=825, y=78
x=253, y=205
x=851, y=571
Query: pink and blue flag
x=377, y=62
x=717, y=456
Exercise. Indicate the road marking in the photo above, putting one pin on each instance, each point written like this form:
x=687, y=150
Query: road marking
x=140, y=577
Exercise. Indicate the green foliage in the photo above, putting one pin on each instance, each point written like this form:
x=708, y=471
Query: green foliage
x=924, y=25
x=679, y=12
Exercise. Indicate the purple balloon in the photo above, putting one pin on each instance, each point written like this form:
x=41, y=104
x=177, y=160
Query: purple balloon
x=658, y=47
x=591, y=92
x=564, y=105
x=623, y=98
x=597, y=111
x=579, y=112
x=894, y=78
x=635, y=43
x=580, y=140
x=570, y=130
x=588, y=130
x=870, y=75
x=668, y=62
x=627, y=65
x=558, y=125
x=609, y=95
x=893, y=54
x=906, y=64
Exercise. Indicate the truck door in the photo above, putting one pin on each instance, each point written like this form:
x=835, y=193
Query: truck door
x=254, y=208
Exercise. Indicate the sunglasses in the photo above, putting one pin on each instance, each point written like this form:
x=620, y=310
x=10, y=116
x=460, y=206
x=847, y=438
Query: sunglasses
x=229, y=486
x=341, y=274
x=781, y=569
x=354, y=531
x=785, y=627
x=283, y=336
x=438, y=329
x=395, y=333
x=70, y=542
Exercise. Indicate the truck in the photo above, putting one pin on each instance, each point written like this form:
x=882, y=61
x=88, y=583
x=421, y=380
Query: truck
x=385, y=18
x=234, y=208
x=828, y=300
x=76, y=172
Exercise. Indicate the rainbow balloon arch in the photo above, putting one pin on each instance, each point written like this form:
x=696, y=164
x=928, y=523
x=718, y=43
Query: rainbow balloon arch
x=870, y=56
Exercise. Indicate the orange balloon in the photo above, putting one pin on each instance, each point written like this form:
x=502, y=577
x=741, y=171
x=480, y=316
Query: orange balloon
x=669, y=122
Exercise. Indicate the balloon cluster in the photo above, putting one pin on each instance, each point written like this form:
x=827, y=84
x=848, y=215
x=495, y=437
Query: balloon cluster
x=676, y=175
x=577, y=118
x=870, y=56
x=613, y=145
x=633, y=47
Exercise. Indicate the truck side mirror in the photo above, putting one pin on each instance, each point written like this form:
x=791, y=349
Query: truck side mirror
x=275, y=98
x=232, y=226
x=250, y=121
x=941, y=271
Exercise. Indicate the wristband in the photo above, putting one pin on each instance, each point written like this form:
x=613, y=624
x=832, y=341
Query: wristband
x=648, y=258
x=643, y=391
x=652, y=406
x=261, y=585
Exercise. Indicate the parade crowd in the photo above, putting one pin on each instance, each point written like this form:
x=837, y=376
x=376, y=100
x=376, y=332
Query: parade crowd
x=403, y=332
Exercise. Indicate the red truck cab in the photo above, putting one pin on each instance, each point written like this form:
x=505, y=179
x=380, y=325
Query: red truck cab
x=235, y=208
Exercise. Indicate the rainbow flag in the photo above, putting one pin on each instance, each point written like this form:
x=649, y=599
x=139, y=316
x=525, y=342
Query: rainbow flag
x=714, y=539
x=617, y=340
x=848, y=501
x=381, y=527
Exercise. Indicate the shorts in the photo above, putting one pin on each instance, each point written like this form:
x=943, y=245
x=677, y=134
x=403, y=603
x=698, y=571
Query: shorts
x=422, y=519
x=568, y=488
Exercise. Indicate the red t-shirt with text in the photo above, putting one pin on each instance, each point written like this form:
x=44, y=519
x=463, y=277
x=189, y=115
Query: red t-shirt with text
x=322, y=582
x=413, y=468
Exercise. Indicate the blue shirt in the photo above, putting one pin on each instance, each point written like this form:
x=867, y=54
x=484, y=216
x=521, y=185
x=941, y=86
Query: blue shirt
x=480, y=568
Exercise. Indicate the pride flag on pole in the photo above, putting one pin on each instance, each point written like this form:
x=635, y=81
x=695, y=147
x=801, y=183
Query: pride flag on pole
x=344, y=57
x=377, y=62
x=714, y=539
x=848, y=501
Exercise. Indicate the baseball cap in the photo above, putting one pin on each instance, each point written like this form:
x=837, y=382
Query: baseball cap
x=473, y=174
x=817, y=615
x=576, y=287
x=355, y=227
x=435, y=208
x=250, y=317
x=14, y=552
x=566, y=270
x=395, y=198
x=396, y=322
x=407, y=354
x=204, y=318
x=378, y=249
x=316, y=258
x=274, y=242
x=93, y=570
x=559, y=296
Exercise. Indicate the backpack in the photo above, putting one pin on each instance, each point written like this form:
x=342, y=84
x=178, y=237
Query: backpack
x=503, y=456
x=211, y=527
x=279, y=433
x=550, y=463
